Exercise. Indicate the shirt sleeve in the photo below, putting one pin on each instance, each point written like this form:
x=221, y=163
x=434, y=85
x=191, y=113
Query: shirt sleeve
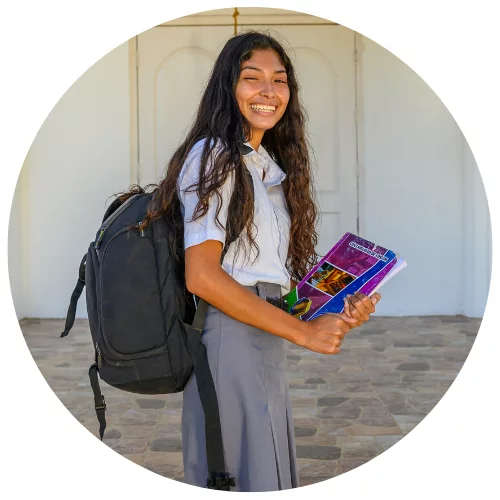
x=205, y=228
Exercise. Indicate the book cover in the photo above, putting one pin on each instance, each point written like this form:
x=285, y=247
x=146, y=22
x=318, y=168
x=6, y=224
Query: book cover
x=353, y=264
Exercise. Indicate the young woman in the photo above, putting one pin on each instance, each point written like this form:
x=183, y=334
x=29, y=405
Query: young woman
x=243, y=175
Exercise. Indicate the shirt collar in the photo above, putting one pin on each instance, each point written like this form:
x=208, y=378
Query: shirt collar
x=274, y=174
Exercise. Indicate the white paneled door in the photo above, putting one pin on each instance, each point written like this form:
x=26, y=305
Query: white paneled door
x=174, y=64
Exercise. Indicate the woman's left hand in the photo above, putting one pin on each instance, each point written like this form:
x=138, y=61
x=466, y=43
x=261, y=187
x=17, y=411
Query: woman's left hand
x=359, y=306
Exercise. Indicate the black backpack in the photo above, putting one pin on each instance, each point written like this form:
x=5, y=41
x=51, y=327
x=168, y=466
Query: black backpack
x=145, y=328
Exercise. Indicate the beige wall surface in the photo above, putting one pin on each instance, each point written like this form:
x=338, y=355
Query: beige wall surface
x=80, y=157
x=420, y=190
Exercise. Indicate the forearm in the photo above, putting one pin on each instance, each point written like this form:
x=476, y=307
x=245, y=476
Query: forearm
x=219, y=289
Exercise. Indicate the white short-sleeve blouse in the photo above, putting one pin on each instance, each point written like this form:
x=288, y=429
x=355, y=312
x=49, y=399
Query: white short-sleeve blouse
x=271, y=219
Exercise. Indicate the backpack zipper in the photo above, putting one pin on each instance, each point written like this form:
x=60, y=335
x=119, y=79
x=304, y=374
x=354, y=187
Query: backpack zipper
x=119, y=210
x=100, y=236
x=111, y=219
x=109, y=360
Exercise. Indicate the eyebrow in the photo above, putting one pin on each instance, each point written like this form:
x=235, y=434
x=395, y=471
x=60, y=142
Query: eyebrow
x=258, y=69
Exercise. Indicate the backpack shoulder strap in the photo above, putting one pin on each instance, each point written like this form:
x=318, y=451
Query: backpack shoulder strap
x=99, y=401
x=80, y=284
x=218, y=477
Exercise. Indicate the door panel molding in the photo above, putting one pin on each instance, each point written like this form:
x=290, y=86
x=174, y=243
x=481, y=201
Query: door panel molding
x=325, y=64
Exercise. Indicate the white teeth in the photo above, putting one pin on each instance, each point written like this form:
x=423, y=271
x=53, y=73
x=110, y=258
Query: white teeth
x=262, y=107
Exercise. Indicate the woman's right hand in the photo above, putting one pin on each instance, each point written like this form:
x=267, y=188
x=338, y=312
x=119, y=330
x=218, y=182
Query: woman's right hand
x=325, y=334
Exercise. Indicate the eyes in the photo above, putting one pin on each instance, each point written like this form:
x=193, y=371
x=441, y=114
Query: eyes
x=253, y=78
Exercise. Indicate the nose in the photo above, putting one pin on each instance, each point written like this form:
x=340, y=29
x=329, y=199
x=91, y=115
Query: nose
x=267, y=89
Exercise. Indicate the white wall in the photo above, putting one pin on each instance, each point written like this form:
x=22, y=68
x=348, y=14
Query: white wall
x=17, y=251
x=79, y=158
x=476, y=239
x=413, y=194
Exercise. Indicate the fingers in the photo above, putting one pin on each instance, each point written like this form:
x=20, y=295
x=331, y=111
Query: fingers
x=355, y=309
x=335, y=343
x=343, y=324
x=360, y=306
x=349, y=320
x=331, y=350
x=365, y=301
x=328, y=332
x=347, y=307
x=375, y=298
x=328, y=345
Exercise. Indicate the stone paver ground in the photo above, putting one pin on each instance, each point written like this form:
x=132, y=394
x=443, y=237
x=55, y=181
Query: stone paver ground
x=347, y=408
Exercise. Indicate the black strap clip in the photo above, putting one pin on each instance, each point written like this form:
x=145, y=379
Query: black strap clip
x=220, y=482
x=100, y=405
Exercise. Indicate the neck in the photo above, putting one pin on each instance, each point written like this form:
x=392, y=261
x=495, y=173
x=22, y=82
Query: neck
x=256, y=139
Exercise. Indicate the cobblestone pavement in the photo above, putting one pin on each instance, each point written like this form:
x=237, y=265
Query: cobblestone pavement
x=347, y=408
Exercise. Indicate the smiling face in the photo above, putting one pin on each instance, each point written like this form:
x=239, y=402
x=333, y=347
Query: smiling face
x=262, y=92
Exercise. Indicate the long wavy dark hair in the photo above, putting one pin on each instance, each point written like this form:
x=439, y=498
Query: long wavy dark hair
x=225, y=129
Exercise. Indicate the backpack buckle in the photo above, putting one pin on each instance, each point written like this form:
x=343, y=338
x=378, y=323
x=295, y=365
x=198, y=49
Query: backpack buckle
x=220, y=482
x=102, y=405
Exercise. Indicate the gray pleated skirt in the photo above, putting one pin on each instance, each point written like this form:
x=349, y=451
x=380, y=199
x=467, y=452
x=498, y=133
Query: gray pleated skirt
x=249, y=369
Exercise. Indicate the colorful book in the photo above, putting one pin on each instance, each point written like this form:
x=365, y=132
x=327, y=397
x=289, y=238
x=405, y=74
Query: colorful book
x=353, y=264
